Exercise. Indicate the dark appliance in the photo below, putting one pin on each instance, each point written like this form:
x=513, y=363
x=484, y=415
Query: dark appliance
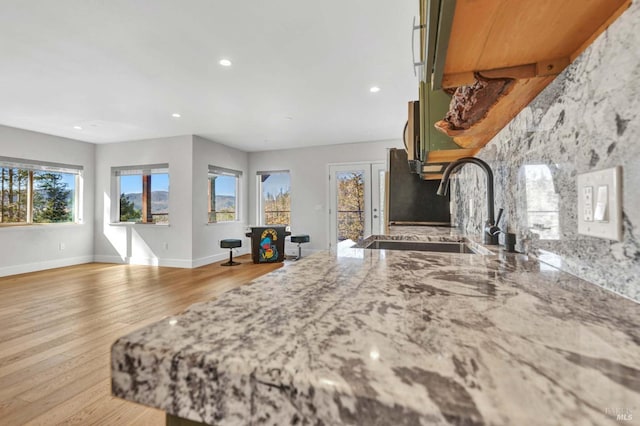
x=410, y=199
x=267, y=243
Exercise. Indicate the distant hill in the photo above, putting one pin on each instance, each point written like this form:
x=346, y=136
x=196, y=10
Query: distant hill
x=225, y=202
x=159, y=201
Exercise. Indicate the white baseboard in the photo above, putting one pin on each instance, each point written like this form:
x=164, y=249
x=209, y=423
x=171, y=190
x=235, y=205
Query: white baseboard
x=108, y=259
x=175, y=263
x=148, y=261
x=207, y=260
x=40, y=266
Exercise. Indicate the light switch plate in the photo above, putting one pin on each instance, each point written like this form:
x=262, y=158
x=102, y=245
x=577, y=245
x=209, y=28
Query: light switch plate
x=600, y=203
x=587, y=203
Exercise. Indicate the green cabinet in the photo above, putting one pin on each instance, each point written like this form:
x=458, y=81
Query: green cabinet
x=436, y=149
x=434, y=105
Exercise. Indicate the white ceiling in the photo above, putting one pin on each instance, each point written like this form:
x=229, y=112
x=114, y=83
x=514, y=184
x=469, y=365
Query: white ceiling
x=120, y=68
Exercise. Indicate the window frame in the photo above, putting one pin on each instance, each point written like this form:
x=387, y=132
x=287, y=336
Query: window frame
x=146, y=173
x=222, y=171
x=34, y=166
x=260, y=213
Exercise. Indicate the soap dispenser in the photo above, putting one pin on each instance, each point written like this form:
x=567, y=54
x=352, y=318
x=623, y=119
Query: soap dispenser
x=510, y=242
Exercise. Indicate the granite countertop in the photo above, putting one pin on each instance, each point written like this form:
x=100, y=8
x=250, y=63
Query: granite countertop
x=394, y=338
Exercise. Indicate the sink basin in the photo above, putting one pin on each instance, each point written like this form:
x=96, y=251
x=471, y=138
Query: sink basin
x=441, y=247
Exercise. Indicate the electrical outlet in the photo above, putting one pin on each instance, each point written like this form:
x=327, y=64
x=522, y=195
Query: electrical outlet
x=600, y=203
x=165, y=245
x=61, y=246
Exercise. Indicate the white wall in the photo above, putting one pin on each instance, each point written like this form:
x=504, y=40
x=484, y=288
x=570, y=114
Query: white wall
x=188, y=241
x=141, y=243
x=309, y=182
x=36, y=247
x=206, y=237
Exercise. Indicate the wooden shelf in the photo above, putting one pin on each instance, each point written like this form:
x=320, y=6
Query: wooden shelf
x=529, y=41
x=480, y=134
x=437, y=161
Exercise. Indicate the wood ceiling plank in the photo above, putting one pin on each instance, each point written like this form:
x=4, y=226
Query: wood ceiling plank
x=623, y=7
x=497, y=34
x=449, y=155
x=521, y=35
x=472, y=25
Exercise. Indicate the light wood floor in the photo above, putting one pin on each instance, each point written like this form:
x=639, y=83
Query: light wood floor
x=57, y=327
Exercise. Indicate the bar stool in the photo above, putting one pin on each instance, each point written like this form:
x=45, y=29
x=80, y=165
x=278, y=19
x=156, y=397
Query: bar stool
x=230, y=244
x=300, y=239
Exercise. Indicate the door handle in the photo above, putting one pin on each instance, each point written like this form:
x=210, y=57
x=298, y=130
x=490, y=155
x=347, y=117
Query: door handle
x=375, y=216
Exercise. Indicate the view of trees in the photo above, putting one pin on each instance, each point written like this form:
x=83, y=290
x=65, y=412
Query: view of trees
x=275, y=188
x=225, y=209
x=14, y=184
x=542, y=202
x=350, y=206
x=128, y=211
x=131, y=207
x=52, y=197
x=138, y=185
x=277, y=208
x=222, y=197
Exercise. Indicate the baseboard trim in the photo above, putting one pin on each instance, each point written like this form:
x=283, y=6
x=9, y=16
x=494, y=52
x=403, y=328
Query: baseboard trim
x=99, y=258
x=41, y=266
x=207, y=260
x=148, y=261
x=145, y=261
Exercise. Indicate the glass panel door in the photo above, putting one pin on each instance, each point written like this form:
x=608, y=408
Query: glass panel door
x=378, y=180
x=356, y=202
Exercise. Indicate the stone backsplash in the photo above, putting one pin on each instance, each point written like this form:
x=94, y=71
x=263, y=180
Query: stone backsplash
x=587, y=119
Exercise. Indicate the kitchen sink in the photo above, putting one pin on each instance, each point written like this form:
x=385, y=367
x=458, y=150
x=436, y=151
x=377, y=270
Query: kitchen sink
x=441, y=247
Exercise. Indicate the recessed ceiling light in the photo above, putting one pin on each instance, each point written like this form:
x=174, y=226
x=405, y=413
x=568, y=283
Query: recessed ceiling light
x=77, y=127
x=176, y=115
x=225, y=62
x=374, y=89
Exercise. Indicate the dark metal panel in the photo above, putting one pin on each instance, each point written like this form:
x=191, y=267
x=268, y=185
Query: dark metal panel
x=412, y=199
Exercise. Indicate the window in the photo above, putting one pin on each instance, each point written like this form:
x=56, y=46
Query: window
x=543, y=215
x=223, y=194
x=142, y=193
x=274, y=190
x=38, y=192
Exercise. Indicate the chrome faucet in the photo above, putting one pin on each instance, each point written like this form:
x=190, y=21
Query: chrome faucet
x=491, y=230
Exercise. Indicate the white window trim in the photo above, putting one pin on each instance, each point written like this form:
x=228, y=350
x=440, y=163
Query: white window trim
x=118, y=171
x=223, y=171
x=260, y=201
x=38, y=165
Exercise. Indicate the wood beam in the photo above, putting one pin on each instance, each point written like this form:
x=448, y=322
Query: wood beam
x=538, y=69
x=146, y=199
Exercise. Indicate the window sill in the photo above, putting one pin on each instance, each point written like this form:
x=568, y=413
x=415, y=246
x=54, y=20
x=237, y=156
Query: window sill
x=231, y=222
x=161, y=225
x=30, y=226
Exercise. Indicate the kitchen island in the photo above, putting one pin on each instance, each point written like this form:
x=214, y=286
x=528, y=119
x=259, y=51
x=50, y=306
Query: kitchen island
x=382, y=337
